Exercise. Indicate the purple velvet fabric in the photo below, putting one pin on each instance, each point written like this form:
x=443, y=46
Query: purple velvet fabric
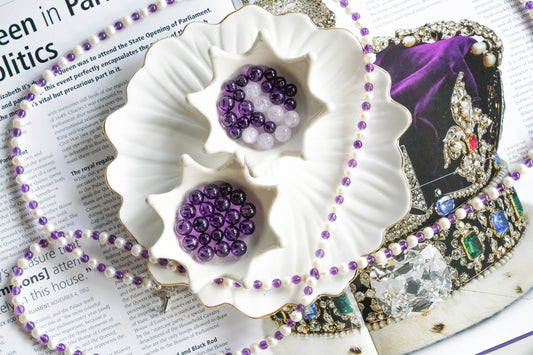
x=423, y=78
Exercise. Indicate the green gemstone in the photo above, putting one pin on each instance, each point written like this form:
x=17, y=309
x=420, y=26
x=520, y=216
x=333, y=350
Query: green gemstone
x=343, y=304
x=472, y=245
x=516, y=203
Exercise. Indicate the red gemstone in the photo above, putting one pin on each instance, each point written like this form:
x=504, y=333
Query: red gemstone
x=472, y=142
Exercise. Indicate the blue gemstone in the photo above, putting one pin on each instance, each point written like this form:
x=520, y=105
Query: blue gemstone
x=310, y=312
x=497, y=160
x=499, y=223
x=445, y=205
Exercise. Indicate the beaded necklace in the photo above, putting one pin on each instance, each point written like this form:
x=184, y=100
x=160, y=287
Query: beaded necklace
x=66, y=239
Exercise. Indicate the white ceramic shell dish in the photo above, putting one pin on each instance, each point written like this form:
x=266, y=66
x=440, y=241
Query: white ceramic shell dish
x=158, y=126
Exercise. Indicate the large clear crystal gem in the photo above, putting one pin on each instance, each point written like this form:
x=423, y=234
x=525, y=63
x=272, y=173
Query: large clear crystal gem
x=412, y=282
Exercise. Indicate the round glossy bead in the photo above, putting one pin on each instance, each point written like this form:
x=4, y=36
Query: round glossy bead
x=265, y=141
x=477, y=203
x=239, y=95
x=252, y=91
x=444, y=223
x=238, y=248
x=205, y=253
x=460, y=213
x=291, y=119
x=250, y=135
x=428, y=232
x=283, y=133
x=246, y=108
x=270, y=127
x=255, y=73
x=380, y=257
x=396, y=249
x=412, y=241
x=275, y=113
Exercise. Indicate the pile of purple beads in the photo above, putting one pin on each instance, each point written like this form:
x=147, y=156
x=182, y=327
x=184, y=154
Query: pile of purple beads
x=211, y=220
x=258, y=107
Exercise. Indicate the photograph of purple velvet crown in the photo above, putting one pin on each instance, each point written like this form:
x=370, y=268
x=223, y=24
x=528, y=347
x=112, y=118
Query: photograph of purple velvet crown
x=328, y=183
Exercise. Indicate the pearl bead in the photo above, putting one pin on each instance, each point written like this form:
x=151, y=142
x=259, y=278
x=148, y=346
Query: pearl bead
x=152, y=260
x=444, y=223
x=92, y=263
x=17, y=123
x=380, y=257
x=47, y=75
x=296, y=316
x=368, y=96
x=357, y=23
x=61, y=241
x=275, y=113
x=35, y=248
x=16, y=300
x=119, y=242
x=285, y=330
x=102, y=238
x=28, y=196
x=489, y=60
x=271, y=341
x=531, y=14
x=460, y=213
x=136, y=250
x=477, y=203
x=530, y=152
x=254, y=348
x=25, y=105
x=49, y=228
x=77, y=50
x=109, y=272
x=250, y=135
x=23, y=263
x=69, y=351
x=310, y=281
x=343, y=268
x=144, y=12
x=412, y=241
x=21, y=179
x=428, y=232
x=16, y=160
x=291, y=119
x=37, y=213
x=261, y=103
x=110, y=30
x=478, y=48
x=283, y=133
x=94, y=40
x=35, y=333
x=361, y=263
x=36, y=89
x=349, y=11
x=172, y=265
x=52, y=343
x=267, y=285
x=62, y=62
x=24, y=318
x=265, y=141
x=161, y=4
x=147, y=282
x=522, y=169
x=493, y=193
x=128, y=278
x=252, y=90
x=86, y=234
x=16, y=281
x=508, y=182
x=77, y=253
x=409, y=41
x=369, y=58
x=127, y=20
x=369, y=78
x=15, y=142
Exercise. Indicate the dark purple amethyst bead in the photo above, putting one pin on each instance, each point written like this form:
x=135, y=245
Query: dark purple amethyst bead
x=101, y=267
x=78, y=234
x=189, y=243
x=181, y=269
x=248, y=210
x=403, y=245
x=95, y=235
x=84, y=258
x=528, y=5
x=187, y=211
x=228, y=119
x=352, y=265
x=277, y=97
x=238, y=248
x=16, y=151
x=28, y=255
x=267, y=86
x=314, y=273
x=343, y=3
x=43, y=339
x=325, y=235
x=196, y=197
x=515, y=175
x=119, y=275
x=352, y=163
x=290, y=104
x=435, y=228
x=229, y=86
x=258, y=284
x=226, y=103
x=21, y=113
x=118, y=25
x=102, y=36
x=528, y=162
x=15, y=290
x=205, y=253
x=152, y=7
x=356, y=16
x=69, y=248
x=290, y=323
x=235, y=132
x=71, y=57
x=15, y=132
x=61, y=348
x=255, y=73
x=145, y=254
x=222, y=249
x=364, y=31
x=222, y=204
x=170, y=2
x=43, y=220
x=19, y=309
x=246, y=108
x=216, y=220
x=217, y=235
x=290, y=90
x=219, y=281
x=29, y=326
x=247, y=227
x=206, y=209
x=135, y=16
x=263, y=345
x=225, y=189
x=43, y=243
x=183, y=227
x=279, y=82
x=78, y=352
x=137, y=280
x=368, y=48
x=420, y=237
x=41, y=82
x=246, y=351
x=484, y=198
x=332, y=217
x=276, y=283
x=30, y=96
x=25, y=188
x=468, y=208
x=452, y=218
x=270, y=73
x=366, y=106
x=163, y=262
x=239, y=95
x=257, y=119
x=211, y=191
x=200, y=224
x=231, y=233
x=204, y=238
x=371, y=260
x=333, y=270
x=243, y=122
x=339, y=200
x=241, y=80
x=19, y=170
x=112, y=238
x=55, y=69
x=388, y=253
x=17, y=271
x=233, y=216
x=237, y=197
x=270, y=127
x=308, y=290
x=86, y=46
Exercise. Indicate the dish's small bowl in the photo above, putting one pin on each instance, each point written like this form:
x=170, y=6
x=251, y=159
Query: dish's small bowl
x=157, y=126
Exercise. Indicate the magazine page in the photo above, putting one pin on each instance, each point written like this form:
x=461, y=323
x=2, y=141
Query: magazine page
x=513, y=26
x=66, y=153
